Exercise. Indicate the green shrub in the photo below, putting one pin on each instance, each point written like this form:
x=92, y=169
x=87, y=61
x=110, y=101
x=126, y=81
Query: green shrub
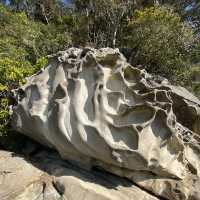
x=13, y=74
x=40, y=63
x=23, y=45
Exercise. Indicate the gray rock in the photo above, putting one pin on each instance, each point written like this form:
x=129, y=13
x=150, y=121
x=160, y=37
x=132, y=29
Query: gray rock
x=96, y=109
x=24, y=180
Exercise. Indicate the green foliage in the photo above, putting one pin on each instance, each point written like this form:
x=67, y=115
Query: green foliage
x=24, y=39
x=196, y=89
x=194, y=80
x=4, y=116
x=13, y=74
x=41, y=62
x=23, y=45
x=100, y=23
x=159, y=37
x=162, y=42
x=12, y=29
x=13, y=71
x=50, y=39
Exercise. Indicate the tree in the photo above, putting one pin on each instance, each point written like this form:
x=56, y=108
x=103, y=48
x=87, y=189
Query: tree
x=3, y=2
x=43, y=10
x=24, y=39
x=102, y=20
x=160, y=40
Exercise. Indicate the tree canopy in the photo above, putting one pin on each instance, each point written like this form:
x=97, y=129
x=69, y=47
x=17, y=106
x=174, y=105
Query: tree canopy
x=162, y=42
x=160, y=35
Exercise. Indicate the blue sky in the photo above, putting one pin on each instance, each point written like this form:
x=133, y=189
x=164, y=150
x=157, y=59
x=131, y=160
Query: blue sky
x=67, y=1
x=190, y=7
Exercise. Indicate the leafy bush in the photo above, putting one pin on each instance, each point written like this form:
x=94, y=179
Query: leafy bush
x=40, y=63
x=13, y=74
x=23, y=45
x=157, y=36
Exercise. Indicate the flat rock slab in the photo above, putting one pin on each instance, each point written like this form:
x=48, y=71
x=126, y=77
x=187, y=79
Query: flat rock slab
x=54, y=179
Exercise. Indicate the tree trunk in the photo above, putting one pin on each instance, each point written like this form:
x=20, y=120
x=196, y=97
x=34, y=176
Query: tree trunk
x=114, y=37
x=44, y=14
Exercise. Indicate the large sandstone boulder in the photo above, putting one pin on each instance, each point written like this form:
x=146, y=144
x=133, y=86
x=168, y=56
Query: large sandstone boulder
x=96, y=109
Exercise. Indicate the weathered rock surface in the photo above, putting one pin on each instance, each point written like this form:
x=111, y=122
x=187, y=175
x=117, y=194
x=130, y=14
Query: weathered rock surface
x=49, y=178
x=95, y=109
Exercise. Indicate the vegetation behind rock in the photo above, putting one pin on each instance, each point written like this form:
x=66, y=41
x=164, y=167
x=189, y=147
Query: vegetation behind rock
x=161, y=36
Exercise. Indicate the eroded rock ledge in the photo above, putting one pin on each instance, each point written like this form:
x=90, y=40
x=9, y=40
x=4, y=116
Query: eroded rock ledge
x=47, y=177
x=96, y=109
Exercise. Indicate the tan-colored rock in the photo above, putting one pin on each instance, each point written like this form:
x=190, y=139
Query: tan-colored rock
x=21, y=180
x=96, y=109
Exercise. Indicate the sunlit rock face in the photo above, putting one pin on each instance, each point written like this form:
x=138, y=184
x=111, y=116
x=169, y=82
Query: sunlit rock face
x=98, y=110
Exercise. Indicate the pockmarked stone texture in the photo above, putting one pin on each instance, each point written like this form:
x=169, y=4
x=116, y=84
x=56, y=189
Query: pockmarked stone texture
x=96, y=109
